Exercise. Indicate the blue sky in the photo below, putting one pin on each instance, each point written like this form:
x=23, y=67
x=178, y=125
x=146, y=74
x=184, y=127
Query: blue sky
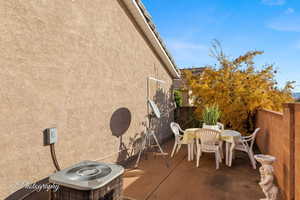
x=273, y=26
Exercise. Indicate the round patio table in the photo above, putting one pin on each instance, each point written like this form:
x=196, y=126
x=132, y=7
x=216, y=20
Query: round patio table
x=231, y=138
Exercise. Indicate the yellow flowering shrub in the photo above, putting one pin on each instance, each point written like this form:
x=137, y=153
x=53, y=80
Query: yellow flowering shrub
x=238, y=89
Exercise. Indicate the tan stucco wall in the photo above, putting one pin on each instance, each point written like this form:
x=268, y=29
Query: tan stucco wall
x=68, y=64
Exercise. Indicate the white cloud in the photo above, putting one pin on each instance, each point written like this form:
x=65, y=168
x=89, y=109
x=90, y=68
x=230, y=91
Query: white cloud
x=273, y=2
x=183, y=45
x=286, y=23
x=289, y=11
x=297, y=87
x=187, y=53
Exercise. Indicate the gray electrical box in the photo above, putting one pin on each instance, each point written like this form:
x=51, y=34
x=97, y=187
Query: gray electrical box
x=50, y=136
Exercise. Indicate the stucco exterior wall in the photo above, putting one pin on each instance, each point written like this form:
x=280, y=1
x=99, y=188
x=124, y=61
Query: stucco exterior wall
x=71, y=65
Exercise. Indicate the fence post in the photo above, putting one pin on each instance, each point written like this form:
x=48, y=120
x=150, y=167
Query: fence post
x=289, y=117
x=297, y=151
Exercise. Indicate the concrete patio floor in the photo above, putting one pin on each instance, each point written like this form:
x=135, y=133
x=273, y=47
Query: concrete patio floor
x=184, y=181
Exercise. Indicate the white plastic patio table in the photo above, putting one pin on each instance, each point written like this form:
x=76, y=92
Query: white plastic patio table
x=188, y=138
x=231, y=137
x=189, y=135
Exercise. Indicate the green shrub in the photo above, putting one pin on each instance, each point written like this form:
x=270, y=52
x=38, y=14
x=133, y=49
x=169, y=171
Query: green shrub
x=178, y=98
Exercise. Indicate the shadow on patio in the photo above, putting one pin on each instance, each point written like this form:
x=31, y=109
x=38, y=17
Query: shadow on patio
x=184, y=181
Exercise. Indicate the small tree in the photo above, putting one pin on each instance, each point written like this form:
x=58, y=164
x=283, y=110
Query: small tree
x=237, y=88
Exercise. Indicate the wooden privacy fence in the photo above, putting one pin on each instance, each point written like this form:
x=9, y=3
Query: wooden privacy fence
x=280, y=137
x=184, y=116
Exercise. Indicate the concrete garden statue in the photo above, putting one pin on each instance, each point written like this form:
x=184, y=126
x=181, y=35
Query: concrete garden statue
x=267, y=177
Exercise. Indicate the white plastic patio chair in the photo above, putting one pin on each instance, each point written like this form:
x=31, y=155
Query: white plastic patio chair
x=178, y=140
x=221, y=126
x=210, y=144
x=243, y=145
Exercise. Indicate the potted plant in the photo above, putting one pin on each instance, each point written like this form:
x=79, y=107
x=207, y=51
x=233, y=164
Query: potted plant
x=210, y=116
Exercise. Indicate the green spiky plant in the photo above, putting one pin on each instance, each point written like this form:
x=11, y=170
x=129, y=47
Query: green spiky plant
x=211, y=115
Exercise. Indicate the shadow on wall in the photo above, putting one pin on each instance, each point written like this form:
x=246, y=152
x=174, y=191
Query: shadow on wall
x=121, y=119
x=119, y=124
x=162, y=126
